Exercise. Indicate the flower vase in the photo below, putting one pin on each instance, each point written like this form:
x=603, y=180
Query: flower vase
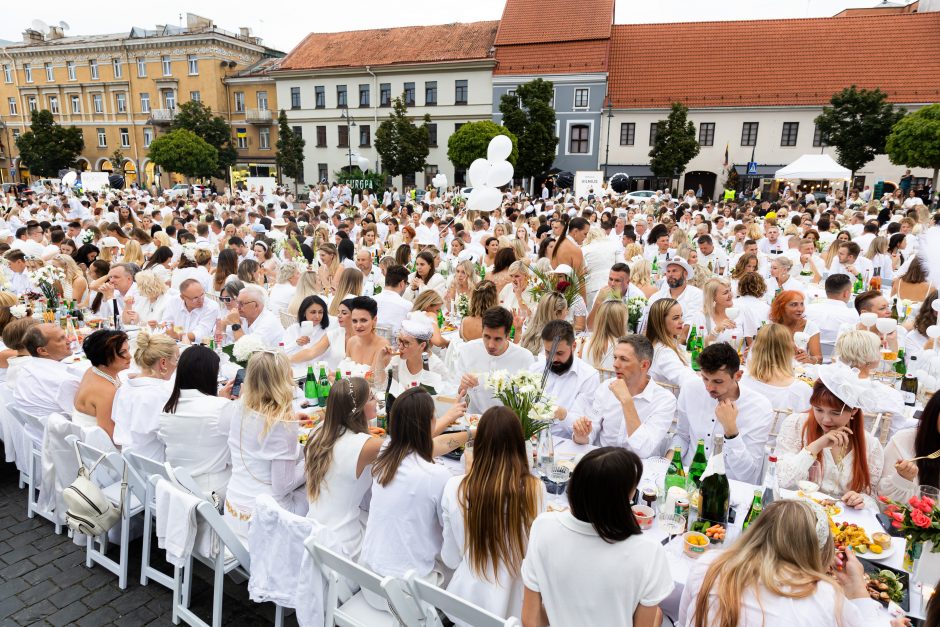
x=912, y=553
x=530, y=453
x=927, y=567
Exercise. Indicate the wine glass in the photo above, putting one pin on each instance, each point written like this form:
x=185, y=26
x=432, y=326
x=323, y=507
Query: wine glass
x=886, y=325
x=869, y=319
x=732, y=313
x=557, y=476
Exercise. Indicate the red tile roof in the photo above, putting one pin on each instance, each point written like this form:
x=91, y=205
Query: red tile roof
x=570, y=57
x=543, y=21
x=775, y=62
x=391, y=46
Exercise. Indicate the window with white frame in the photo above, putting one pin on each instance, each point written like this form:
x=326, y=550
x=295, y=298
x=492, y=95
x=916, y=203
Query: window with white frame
x=7, y=74
x=54, y=104
x=97, y=103
x=195, y=96
x=141, y=67
x=50, y=73
x=148, y=137
x=32, y=104
x=167, y=66
x=262, y=98
x=28, y=72
x=76, y=104
x=242, y=134
x=169, y=99
x=93, y=68
x=239, y=102
x=579, y=139
x=193, y=64
x=582, y=97
x=70, y=68
x=118, y=68
x=264, y=138
x=125, y=138
x=145, y=103
x=102, y=138
x=11, y=102
x=120, y=101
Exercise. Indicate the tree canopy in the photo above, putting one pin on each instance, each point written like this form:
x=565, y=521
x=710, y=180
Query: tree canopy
x=473, y=139
x=290, y=151
x=401, y=144
x=675, y=145
x=184, y=152
x=528, y=114
x=915, y=140
x=47, y=148
x=214, y=129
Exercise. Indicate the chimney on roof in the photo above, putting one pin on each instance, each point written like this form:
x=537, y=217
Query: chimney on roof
x=197, y=22
x=244, y=32
x=31, y=36
x=56, y=32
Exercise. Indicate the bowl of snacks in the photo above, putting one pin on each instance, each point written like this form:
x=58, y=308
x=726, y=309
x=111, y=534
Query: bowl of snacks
x=694, y=544
x=715, y=532
x=644, y=516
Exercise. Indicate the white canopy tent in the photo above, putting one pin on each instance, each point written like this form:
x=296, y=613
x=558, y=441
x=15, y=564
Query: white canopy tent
x=814, y=167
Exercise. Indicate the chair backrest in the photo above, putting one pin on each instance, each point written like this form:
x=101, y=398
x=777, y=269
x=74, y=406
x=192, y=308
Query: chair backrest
x=880, y=426
x=103, y=474
x=453, y=606
x=775, y=427
x=385, y=331
x=669, y=386
x=605, y=374
x=181, y=478
x=144, y=466
x=286, y=318
x=213, y=297
x=226, y=536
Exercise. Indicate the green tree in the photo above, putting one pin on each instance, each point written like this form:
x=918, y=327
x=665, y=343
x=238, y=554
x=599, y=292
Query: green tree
x=530, y=117
x=401, y=144
x=290, y=151
x=46, y=148
x=117, y=162
x=186, y=153
x=857, y=125
x=915, y=141
x=196, y=117
x=675, y=143
x=472, y=140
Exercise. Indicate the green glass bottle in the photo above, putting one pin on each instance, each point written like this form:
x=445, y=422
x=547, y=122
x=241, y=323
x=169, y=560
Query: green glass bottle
x=440, y=319
x=310, y=385
x=512, y=332
x=338, y=377
x=755, y=510
x=699, y=462
x=676, y=464
x=900, y=366
x=655, y=269
x=715, y=489
x=690, y=343
x=323, y=386
x=859, y=285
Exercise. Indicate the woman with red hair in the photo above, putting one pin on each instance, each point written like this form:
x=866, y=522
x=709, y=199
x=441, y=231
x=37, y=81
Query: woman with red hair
x=829, y=444
x=788, y=309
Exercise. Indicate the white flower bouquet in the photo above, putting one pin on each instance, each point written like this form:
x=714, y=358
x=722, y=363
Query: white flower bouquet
x=463, y=305
x=243, y=348
x=522, y=393
x=19, y=311
x=635, y=307
x=47, y=280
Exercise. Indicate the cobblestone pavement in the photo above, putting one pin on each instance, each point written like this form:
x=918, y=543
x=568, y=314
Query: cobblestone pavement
x=44, y=581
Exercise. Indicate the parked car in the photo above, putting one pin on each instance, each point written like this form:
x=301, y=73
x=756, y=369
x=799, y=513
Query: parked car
x=182, y=190
x=640, y=196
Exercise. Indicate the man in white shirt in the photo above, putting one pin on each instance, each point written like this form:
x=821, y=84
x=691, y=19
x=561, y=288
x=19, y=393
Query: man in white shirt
x=569, y=381
x=371, y=275
x=710, y=256
x=119, y=292
x=16, y=272
x=772, y=244
x=393, y=308
x=251, y=317
x=192, y=312
x=281, y=294
x=678, y=273
x=870, y=232
x=851, y=262
x=494, y=351
x=618, y=286
x=830, y=314
x=33, y=244
x=45, y=385
x=715, y=406
x=630, y=410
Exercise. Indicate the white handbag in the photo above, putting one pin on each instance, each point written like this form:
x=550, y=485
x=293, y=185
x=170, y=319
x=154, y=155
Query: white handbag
x=89, y=511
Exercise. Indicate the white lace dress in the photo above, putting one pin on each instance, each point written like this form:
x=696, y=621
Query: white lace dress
x=793, y=463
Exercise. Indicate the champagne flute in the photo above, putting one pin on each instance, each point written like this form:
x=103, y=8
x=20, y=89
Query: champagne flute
x=869, y=319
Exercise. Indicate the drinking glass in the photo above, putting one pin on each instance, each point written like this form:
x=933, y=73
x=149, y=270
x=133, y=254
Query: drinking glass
x=929, y=491
x=557, y=479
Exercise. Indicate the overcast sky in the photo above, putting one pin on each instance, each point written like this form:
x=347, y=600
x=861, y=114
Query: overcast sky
x=283, y=24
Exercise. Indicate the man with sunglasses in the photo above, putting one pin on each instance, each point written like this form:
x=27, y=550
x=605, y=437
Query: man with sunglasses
x=192, y=312
x=253, y=318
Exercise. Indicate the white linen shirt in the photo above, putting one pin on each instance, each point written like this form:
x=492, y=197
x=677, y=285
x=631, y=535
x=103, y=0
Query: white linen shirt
x=655, y=406
x=44, y=386
x=697, y=421
x=393, y=309
x=829, y=315
x=690, y=299
x=267, y=326
x=474, y=359
x=200, y=322
x=573, y=390
x=136, y=414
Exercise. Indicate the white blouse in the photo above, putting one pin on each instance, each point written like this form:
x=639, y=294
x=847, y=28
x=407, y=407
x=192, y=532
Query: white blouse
x=195, y=441
x=794, y=463
x=668, y=368
x=136, y=415
x=293, y=332
x=436, y=283
x=893, y=485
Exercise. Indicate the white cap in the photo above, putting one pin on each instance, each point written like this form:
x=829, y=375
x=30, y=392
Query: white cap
x=562, y=269
x=110, y=242
x=682, y=263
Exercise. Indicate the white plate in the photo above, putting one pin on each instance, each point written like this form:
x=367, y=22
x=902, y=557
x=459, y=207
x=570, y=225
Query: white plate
x=875, y=557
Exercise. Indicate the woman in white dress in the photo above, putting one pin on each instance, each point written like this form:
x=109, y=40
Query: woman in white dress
x=718, y=327
x=413, y=363
x=109, y=354
x=137, y=403
x=463, y=283
x=829, y=445
x=160, y=263
x=404, y=530
x=515, y=294
x=789, y=310
x=339, y=456
x=485, y=548
x=363, y=345
x=574, y=570
x=754, y=310
x=770, y=370
x=664, y=324
x=307, y=342
x=600, y=253
x=190, y=420
x=262, y=437
x=15, y=353
x=777, y=575
x=424, y=277
x=610, y=323
x=151, y=300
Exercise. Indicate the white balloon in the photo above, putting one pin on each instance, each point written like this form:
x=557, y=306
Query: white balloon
x=732, y=313
x=500, y=173
x=439, y=180
x=868, y=319
x=936, y=305
x=69, y=179
x=499, y=148
x=364, y=163
x=484, y=199
x=478, y=172
x=933, y=331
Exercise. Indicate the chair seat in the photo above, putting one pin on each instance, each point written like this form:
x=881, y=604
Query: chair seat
x=113, y=492
x=359, y=610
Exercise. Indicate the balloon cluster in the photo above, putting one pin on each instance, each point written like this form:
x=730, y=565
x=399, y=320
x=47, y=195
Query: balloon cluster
x=488, y=175
x=439, y=181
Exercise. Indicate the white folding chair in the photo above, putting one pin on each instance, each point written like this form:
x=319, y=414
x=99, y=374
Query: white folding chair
x=669, y=386
x=605, y=374
x=132, y=506
x=145, y=468
x=31, y=434
x=286, y=318
x=357, y=612
x=880, y=426
x=434, y=598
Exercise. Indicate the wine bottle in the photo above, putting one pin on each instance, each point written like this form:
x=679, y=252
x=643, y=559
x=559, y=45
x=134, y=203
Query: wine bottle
x=771, y=492
x=715, y=489
x=909, y=384
x=323, y=386
x=754, y=511
x=699, y=463
x=675, y=474
x=310, y=385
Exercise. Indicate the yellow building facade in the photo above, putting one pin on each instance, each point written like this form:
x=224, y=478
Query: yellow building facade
x=123, y=91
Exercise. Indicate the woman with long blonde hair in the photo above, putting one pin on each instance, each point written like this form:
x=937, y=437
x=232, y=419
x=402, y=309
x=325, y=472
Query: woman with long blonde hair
x=641, y=275
x=349, y=285
x=610, y=323
x=716, y=299
x=330, y=268
x=75, y=286
x=552, y=306
x=265, y=452
x=777, y=574
x=308, y=285
x=463, y=283
x=770, y=370
x=664, y=325
x=487, y=516
x=133, y=253
x=483, y=297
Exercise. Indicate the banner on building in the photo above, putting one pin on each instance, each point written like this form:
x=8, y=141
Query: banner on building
x=587, y=182
x=94, y=181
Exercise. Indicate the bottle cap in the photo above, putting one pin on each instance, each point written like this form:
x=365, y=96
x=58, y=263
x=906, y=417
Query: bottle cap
x=772, y=458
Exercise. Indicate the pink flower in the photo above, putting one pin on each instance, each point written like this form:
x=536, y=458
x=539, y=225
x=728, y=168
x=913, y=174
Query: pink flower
x=919, y=519
x=898, y=516
x=929, y=501
x=890, y=509
x=926, y=505
x=914, y=502
x=895, y=524
x=883, y=498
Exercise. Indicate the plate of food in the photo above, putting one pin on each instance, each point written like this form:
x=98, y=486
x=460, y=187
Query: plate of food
x=851, y=535
x=831, y=505
x=887, y=585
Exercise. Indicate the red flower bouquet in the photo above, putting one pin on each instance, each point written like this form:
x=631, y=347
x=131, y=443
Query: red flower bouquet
x=919, y=518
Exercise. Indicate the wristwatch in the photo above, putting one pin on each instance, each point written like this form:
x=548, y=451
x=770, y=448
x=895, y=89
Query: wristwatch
x=236, y=327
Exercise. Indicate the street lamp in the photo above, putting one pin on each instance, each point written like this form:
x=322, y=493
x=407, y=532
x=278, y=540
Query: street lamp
x=610, y=121
x=350, y=123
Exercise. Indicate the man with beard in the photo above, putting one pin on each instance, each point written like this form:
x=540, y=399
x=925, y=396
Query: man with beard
x=678, y=273
x=715, y=406
x=630, y=410
x=570, y=381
